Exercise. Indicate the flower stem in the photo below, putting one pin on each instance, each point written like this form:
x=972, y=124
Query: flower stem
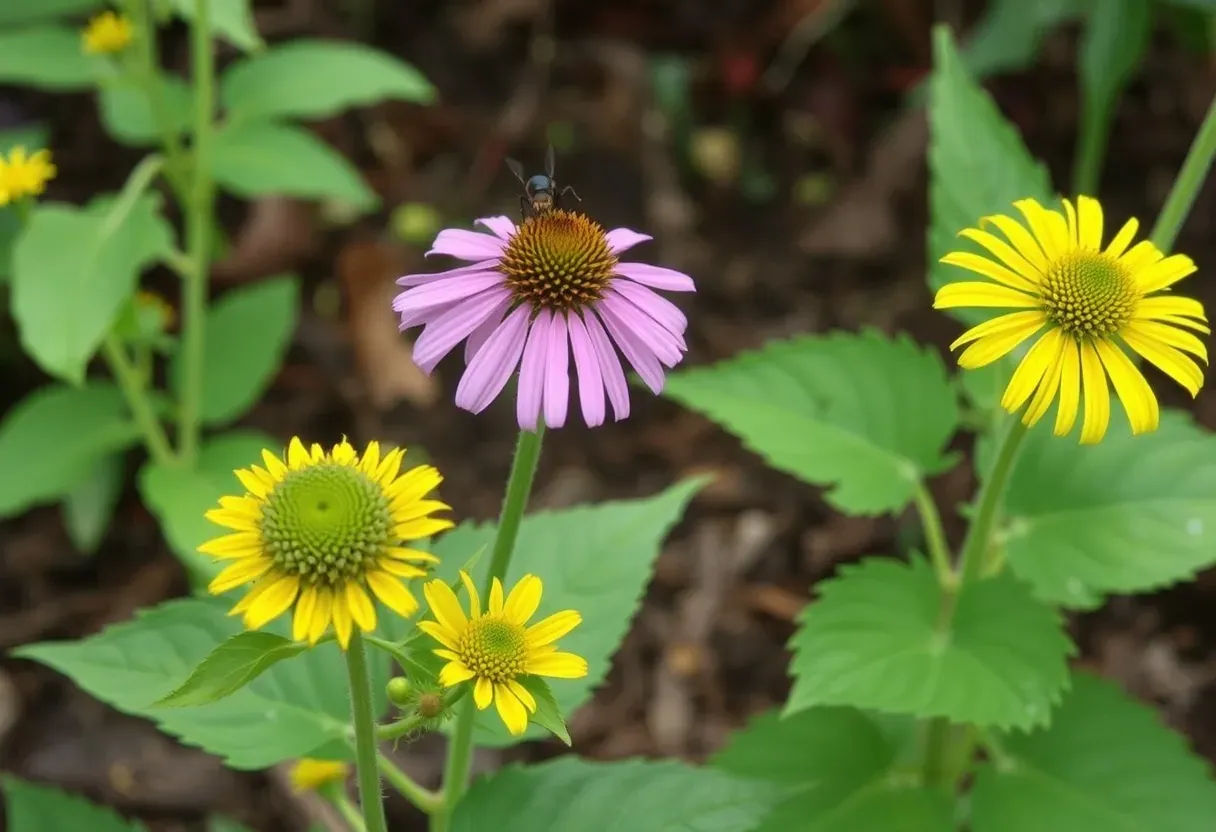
x=199, y=208
x=150, y=78
x=935, y=537
x=1091, y=151
x=364, y=718
x=425, y=799
x=519, y=487
x=1190, y=179
x=349, y=812
x=134, y=391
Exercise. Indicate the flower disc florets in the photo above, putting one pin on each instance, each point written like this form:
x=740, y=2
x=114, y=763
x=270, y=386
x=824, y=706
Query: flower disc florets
x=1089, y=294
x=558, y=260
x=494, y=648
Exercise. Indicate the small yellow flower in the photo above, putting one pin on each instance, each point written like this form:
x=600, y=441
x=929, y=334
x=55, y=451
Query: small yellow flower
x=22, y=175
x=308, y=774
x=320, y=531
x=1089, y=304
x=107, y=33
x=496, y=648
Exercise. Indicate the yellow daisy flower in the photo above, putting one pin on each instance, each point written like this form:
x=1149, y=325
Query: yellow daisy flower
x=496, y=648
x=308, y=774
x=1086, y=304
x=107, y=33
x=319, y=531
x=22, y=175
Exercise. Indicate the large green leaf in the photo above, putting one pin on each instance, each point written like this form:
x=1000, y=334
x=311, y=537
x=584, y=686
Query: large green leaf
x=257, y=158
x=1130, y=514
x=127, y=114
x=14, y=12
x=878, y=637
x=74, y=269
x=230, y=19
x=594, y=559
x=634, y=796
x=1106, y=763
x=316, y=79
x=231, y=666
x=46, y=55
x=52, y=438
x=33, y=808
x=841, y=767
x=868, y=415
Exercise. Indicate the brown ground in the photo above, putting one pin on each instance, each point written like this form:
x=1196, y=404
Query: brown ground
x=707, y=649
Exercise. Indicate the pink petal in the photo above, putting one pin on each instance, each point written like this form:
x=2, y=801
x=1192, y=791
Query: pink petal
x=653, y=304
x=466, y=245
x=639, y=355
x=532, y=372
x=490, y=369
x=420, y=279
x=610, y=367
x=445, y=291
x=621, y=239
x=423, y=316
x=618, y=312
x=443, y=333
x=477, y=338
x=587, y=364
x=500, y=226
x=656, y=277
x=557, y=374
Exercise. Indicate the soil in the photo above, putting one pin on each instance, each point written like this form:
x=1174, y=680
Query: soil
x=823, y=228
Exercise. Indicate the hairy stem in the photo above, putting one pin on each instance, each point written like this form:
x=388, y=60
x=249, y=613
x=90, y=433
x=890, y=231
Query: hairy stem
x=366, y=754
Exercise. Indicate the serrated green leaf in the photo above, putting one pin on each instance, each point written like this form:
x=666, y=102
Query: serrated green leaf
x=33, y=808
x=298, y=708
x=873, y=640
x=127, y=113
x=632, y=796
x=842, y=770
x=258, y=158
x=89, y=505
x=603, y=577
x=54, y=436
x=833, y=411
x=15, y=12
x=316, y=79
x=1105, y=763
x=548, y=714
x=248, y=332
x=47, y=56
x=229, y=667
x=230, y=19
x=1129, y=514
x=74, y=269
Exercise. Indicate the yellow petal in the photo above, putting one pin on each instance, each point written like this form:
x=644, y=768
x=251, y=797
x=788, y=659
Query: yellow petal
x=474, y=598
x=403, y=511
x=401, y=570
x=297, y=454
x=974, y=293
x=1047, y=226
x=1070, y=387
x=522, y=693
x=1168, y=360
x=549, y=630
x=453, y=673
x=272, y=603
x=483, y=693
x=524, y=599
x=415, y=483
x=237, y=574
x=343, y=621
x=1001, y=324
x=1169, y=305
x=445, y=606
x=412, y=555
x=371, y=459
x=362, y=610
x=238, y=521
x=1123, y=239
x=321, y=616
x=1030, y=370
x=1171, y=335
x=558, y=665
x=511, y=710
x=239, y=545
x=982, y=265
x=495, y=607
x=1045, y=393
x=1141, y=256
x=254, y=484
x=450, y=655
x=1131, y=387
x=1089, y=223
x=1021, y=239
x=1164, y=273
x=987, y=350
x=249, y=506
x=392, y=593
x=389, y=467
x=1097, y=396
x=343, y=453
x=274, y=466
x=1070, y=216
x=419, y=529
x=440, y=633
x=301, y=618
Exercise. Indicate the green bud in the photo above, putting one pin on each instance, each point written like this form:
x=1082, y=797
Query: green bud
x=400, y=691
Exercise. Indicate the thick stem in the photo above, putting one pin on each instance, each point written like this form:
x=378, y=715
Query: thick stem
x=135, y=392
x=366, y=753
x=150, y=78
x=425, y=799
x=1186, y=186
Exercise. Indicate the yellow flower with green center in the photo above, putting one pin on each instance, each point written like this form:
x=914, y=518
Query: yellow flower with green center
x=1086, y=304
x=496, y=648
x=107, y=33
x=22, y=175
x=308, y=774
x=319, y=531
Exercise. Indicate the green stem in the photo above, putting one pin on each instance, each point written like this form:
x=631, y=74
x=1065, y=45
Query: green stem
x=134, y=391
x=519, y=487
x=149, y=72
x=1186, y=186
x=364, y=718
x=1091, y=152
x=199, y=208
x=348, y=811
x=425, y=799
x=935, y=536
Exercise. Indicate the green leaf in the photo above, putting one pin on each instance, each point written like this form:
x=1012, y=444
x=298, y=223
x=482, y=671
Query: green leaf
x=294, y=709
x=842, y=770
x=47, y=56
x=127, y=115
x=32, y=808
x=548, y=714
x=834, y=410
x=873, y=640
x=88, y=507
x=248, y=332
x=632, y=796
x=230, y=19
x=257, y=158
x=1130, y=514
x=179, y=496
x=316, y=79
x=219, y=823
x=230, y=667
x=603, y=578
x=1009, y=35
x=16, y=12
x=1105, y=763
x=54, y=437
x=977, y=166
x=73, y=270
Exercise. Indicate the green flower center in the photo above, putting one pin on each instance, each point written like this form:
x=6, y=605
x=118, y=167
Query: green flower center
x=558, y=260
x=326, y=523
x=1089, y=295
x=494, y=649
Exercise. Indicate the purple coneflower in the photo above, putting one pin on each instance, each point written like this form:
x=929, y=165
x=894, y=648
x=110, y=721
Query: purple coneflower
x=540, y=291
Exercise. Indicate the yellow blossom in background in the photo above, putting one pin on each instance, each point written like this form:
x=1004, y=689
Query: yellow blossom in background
x=308, y=774
x=495, y=648
x=107, y=33
x=1083, y=305
x=321, y=530
x=22, y=175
